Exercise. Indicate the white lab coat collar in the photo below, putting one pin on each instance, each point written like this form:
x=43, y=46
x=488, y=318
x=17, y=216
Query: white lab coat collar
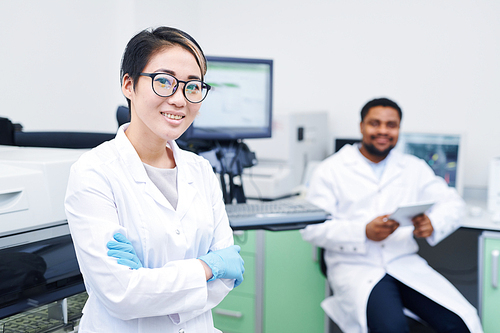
x=184, y=176
x=354, y=159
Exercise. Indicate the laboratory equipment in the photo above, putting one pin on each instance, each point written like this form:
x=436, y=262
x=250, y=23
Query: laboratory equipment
x=38, y=263
x=299, y=138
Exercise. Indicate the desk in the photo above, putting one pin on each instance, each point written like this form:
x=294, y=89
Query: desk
x=462, y=259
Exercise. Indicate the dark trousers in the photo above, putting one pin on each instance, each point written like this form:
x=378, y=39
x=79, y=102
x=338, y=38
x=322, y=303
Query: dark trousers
x=385, y=309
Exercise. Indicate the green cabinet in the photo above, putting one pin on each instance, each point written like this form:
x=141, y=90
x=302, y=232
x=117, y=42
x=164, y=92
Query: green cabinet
x=489, y=284
x=282, y=289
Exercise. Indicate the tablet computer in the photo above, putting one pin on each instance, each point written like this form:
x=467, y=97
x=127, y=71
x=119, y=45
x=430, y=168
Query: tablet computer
x=405, y=213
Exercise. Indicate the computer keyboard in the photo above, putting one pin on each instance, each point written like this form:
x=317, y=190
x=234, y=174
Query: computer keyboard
x=293, y=213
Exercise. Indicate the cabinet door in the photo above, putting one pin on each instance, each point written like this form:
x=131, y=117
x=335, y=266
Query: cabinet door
x=294, y=286
x=490, y=302
x=236, y=313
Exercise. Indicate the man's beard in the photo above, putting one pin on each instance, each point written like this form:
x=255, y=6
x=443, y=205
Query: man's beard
x=370, y=148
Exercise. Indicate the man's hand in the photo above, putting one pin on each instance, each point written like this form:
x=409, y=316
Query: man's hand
x=423, y=226
x=380, y=228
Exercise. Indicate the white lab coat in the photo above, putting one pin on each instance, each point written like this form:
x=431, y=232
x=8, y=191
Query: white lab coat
x=108, y=192
x=345, y=185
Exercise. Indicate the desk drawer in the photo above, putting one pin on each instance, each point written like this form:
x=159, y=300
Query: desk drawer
x=235, y=314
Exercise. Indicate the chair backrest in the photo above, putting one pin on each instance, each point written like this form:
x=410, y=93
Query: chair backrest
x=70, y=140
x=10, y=136
x=122, y=115
x=6, y=132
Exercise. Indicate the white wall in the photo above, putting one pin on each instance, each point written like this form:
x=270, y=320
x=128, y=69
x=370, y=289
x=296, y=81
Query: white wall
x=438, y=59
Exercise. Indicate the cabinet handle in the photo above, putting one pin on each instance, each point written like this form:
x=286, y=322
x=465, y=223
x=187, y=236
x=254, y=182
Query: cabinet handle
x=494, y=268
x=229, y=313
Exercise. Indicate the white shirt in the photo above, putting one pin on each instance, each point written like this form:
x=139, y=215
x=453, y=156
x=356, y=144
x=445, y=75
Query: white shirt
x=378, y=168
x=108, y=192
x=165, y=180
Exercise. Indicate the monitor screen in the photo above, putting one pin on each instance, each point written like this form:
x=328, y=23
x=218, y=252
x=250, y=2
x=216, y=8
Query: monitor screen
x=442, y=152
x=239, y=105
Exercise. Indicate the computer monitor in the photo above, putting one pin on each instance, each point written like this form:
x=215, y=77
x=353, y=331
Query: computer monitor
x=341, y=142
x=239, y=105
x=443, y=153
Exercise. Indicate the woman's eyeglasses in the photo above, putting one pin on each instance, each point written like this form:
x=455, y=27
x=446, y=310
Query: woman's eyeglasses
x=165, y=85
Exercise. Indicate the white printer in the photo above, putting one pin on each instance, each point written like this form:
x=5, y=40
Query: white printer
x=299, y=139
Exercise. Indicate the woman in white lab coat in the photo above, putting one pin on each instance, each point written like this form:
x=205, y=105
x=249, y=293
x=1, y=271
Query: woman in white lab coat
x=156, y=208
x=346, y=185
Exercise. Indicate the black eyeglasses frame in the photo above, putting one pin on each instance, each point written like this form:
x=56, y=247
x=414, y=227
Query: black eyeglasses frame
x=203, y=86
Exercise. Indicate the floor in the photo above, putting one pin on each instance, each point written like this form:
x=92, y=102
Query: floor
x=46, y=318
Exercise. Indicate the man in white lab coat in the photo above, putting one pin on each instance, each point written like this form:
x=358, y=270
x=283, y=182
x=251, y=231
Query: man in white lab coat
x=372, y=262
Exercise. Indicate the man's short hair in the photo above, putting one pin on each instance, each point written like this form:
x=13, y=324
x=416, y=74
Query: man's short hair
x=380, y=102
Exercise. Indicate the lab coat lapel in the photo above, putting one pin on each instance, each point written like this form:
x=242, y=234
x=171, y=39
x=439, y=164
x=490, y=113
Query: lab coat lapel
x=130, y=157
x=358, y=164
x=136, y=168
x=185, y=182
x=155, y=193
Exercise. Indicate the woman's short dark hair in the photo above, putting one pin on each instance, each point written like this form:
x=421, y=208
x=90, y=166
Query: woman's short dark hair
x=380, y=102
x=148, y=42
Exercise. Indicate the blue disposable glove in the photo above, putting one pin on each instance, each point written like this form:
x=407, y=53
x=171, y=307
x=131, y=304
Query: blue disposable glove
x=226, y=264
x=124, y=251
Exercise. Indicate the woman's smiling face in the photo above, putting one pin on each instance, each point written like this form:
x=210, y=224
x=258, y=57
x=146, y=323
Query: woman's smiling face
x=163, y=118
